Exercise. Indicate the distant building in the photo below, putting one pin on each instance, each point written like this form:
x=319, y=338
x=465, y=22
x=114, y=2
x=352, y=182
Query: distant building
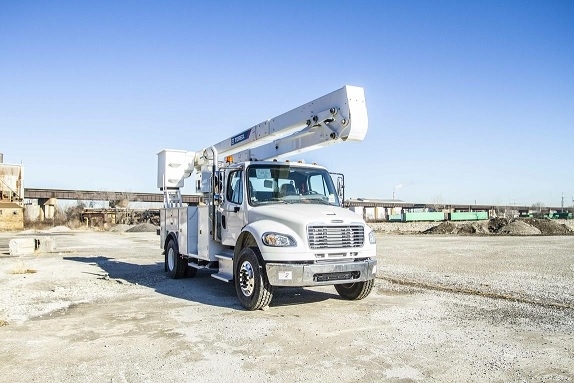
x=11, y=216
x=11, y=196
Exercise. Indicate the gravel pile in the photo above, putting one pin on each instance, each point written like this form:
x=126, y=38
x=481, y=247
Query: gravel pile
x=142, y=228
x=458, y=228
x=120, y=228
x=519, y=228
x=494, y=226
x=569, y=223
x=548, y=227
x=59, y=229
x=443, y=228
x=474, y=228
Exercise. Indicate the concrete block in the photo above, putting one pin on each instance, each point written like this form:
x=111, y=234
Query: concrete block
x=29, y=245
x=20, y=246
x=45, y=244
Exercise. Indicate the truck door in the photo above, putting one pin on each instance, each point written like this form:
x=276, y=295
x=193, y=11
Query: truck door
x=233, y=214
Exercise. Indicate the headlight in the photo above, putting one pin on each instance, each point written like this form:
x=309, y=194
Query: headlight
x=372, y=237
x=278, y=240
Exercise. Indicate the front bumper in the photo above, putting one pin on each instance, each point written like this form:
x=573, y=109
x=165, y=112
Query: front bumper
x=319, y=274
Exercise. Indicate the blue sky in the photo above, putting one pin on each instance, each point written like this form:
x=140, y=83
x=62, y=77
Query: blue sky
x=467, y=101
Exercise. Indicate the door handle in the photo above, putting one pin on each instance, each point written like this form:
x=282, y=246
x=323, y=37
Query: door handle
x=235, y=209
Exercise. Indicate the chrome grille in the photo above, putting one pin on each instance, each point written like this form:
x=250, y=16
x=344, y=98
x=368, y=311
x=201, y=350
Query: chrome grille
x=339, y=236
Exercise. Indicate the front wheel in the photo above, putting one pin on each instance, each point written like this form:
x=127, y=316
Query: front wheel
x=251, y=284
x=355, y=291
x=174, y=264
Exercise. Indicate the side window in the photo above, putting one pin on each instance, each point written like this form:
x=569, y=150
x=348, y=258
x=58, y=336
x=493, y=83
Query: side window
x=235, y=187
x=317, y=184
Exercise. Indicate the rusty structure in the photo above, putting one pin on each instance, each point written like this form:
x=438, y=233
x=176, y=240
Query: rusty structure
x=118, y=211
x=11, y=184
x=100, y=217
x=11, y=196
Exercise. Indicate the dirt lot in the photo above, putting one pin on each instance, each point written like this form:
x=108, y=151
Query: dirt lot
x=445, y=308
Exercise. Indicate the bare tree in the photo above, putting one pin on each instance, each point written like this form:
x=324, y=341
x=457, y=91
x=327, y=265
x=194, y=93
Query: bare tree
x=538, y=206
x=437, y=203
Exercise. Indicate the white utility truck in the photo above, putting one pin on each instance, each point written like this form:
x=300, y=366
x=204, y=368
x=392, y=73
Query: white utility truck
x=264, y=221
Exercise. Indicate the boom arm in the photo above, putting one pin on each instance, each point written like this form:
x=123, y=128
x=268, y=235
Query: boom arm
x=336, y=117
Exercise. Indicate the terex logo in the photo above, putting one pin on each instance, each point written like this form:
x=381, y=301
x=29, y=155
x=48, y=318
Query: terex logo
x=240, y=137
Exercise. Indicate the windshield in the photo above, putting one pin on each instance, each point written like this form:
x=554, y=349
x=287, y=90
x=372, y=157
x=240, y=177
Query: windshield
x=271, y=184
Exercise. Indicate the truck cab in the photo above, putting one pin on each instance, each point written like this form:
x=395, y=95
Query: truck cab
x=271, y=186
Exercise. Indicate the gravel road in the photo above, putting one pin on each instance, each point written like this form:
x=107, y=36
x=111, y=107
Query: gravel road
x=444, y=309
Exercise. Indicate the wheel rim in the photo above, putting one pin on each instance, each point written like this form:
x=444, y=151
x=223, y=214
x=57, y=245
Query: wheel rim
x=246, y=279
x=170, y=258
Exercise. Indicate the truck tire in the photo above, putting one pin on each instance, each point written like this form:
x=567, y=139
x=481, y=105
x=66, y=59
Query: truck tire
x=251, y=284
x=355, y=291
x=174, y=264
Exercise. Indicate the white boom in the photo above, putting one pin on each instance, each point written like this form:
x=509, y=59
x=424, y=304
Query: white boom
x=336, y=117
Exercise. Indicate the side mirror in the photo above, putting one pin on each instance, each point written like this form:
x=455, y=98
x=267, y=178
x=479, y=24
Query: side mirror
x=340, y=186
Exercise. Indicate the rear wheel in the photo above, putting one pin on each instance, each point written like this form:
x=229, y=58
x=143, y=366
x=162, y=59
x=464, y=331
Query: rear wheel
x=355, y=291
x=251, y=284
x=175, y=265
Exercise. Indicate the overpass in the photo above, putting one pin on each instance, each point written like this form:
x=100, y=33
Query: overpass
x=49, y=197
x=91, y=195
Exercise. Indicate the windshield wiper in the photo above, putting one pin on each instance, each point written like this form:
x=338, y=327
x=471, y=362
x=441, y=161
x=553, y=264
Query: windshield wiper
x=269, y=202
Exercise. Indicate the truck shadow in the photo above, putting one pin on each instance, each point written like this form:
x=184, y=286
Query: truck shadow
x=200, y=289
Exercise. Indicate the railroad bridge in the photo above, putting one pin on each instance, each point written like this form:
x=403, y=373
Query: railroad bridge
x=47, y=199
x=44, y=195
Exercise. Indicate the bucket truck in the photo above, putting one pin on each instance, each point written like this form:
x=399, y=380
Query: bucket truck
x=265, y=221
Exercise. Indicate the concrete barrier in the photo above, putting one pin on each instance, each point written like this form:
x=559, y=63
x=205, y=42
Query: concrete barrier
x=30, y=245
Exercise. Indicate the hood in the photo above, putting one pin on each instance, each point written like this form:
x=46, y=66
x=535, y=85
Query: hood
x=297, y=215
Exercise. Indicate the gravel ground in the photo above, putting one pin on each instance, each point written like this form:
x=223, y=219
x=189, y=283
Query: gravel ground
x=444, y=308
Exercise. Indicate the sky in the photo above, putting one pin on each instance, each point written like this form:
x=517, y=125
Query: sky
x=468, y=102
